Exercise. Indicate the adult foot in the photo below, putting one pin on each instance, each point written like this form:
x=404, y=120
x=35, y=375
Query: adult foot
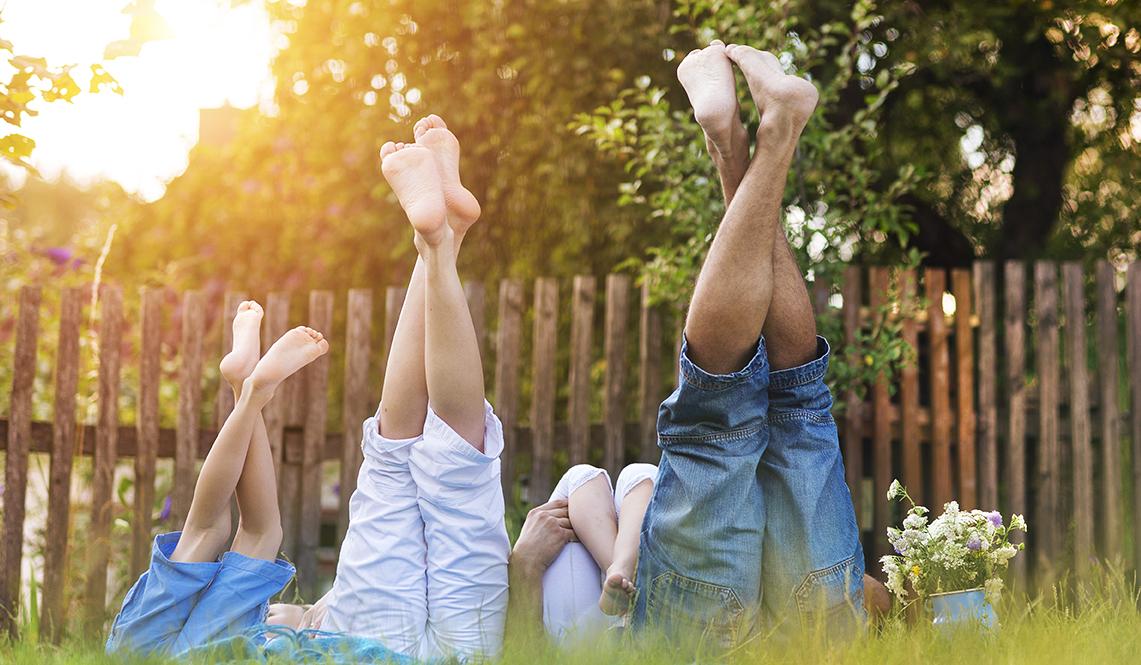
x=463, y=209
x=707, y=76
x=784, y=102
x=411, y=171
x=617, y=593
x=240, y=361
x=294, y=350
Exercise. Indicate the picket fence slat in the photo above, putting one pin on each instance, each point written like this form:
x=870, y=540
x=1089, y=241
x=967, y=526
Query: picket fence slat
x=581, y=345
x=52, y=617
x=1048, y=506
x=878, y=284
x=106, y=454
x=965, y=389
x=189, y=405
x=649, y=376
x=316, y=421
x=356, y=397
x=941, y=488
x=16, y=465
x=614, y=390
x=1108, y=425
x=1133, y=353
x=1014, y=336
x=912, y=453
x=150, y=374
x=1073, y=281
x=987, y=381
x=543, y=388
x=508, y=348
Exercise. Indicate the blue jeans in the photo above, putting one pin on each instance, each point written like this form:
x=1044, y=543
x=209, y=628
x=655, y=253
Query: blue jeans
x=751, y=519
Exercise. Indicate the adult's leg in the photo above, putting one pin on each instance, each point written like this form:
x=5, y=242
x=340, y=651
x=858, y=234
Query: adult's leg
x=707, y=75
x=208, y=523
x=702, y=536
x=632, y=494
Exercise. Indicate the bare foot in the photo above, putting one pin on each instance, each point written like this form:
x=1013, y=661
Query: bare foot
x=294, y=350
x=240, y=361
x=411, y=171
x=785, y=102
x=707, y=76
x=617, y=593
x=463, y=209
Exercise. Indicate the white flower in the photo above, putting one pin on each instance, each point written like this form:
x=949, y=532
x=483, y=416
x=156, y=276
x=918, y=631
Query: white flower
x=913, y=521
x=993, y=589
x=1017, y=523
x=1003, y=554
x=895, y=491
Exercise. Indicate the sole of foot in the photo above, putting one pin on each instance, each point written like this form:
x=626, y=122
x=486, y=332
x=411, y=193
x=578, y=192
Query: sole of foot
x=463, y=208
x=411, y=171
x=784, y=102
x=617, y=592
x=707, y=76
x=241, y=360
x=294, y=350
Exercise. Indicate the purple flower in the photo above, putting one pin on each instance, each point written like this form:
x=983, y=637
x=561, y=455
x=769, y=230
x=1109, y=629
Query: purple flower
x=165, y=514
x=974, y=544
x=995, y=518
x=58, y=255
x=337, y=489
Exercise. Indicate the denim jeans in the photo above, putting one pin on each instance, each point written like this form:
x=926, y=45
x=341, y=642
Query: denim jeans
x=751, y=519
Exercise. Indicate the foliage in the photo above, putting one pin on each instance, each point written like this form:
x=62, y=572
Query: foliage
x=834, y=209
x=959, y=550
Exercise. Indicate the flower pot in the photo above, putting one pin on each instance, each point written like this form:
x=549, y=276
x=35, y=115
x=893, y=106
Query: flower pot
x=962, y=609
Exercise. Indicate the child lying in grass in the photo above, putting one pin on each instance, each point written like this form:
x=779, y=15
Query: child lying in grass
x=197, y=590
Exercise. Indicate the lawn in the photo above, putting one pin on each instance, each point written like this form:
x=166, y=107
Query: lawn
x=1096, y=625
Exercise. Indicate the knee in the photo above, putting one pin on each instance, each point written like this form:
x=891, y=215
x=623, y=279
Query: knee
x=575, y=477
x=634, y=475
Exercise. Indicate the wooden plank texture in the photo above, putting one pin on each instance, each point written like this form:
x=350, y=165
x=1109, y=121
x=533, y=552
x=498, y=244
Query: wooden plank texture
x=316, y=422
x=1014, y=343
x=650, y=391
x=1109, y=428
x=882, y=476
x=581, y=351
x=1074, y=285
x=987, y=382
x=940, y=377
x=147, y=423
x=1048, y=517
x=965, y=389
x=16, y=459
x=189, y=404
x=543, y=388
x=508, y=350
x=912, y=453
x=357, y=397
x=1133, y=354
x=63, y=444
x=614, y=350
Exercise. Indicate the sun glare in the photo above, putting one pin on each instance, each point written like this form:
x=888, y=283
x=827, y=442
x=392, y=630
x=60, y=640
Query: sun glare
x=174, y=58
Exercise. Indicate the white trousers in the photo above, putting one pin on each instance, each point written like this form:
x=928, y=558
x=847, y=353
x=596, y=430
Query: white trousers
x=573, y=582
x=423, y=567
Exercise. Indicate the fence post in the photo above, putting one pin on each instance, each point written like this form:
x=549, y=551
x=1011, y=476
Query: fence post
x=614, y=403
x=1014, y=335
x=189, y=406
x=582, y=332
x=1133, y=352
x=965, y=388
x=1048, y=507
x=941, y=490
x=508, y=347
x=106, y=454
x=1107, y=364
x=649, y=376
x=543, y=388
x=1079, y=417
x=878, y=284
x=313, y=453
x=356, y=398
x=52, y=619
x=909, y=390
x=16, y=466
x=147, y=426
x=988, y=388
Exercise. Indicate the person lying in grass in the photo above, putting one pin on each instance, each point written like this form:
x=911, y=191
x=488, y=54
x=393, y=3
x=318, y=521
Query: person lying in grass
x=197, y=590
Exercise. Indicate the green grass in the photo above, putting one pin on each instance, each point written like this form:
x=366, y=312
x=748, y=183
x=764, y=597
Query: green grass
x=1096, y=625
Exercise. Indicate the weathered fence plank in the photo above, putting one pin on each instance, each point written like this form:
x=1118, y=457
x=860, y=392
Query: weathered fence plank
x=964, y=388
x=16, y=465
x=52, y=617
x=909, y=390
x=189, y=405
x=543, y=388
x=987, y=386
x=150, y=375
x=1014, y=340
x=106, y=454
x=878, y=284
x=941, y=487
x=1074, y=285
x=614, y=392
x=356, y=396
x=581, y=347
x=1109, y=429
x=853, y=443
x=1048, y=505
x=508, y=349
x=649, y=377
x=316, y=420
x=1133, y=353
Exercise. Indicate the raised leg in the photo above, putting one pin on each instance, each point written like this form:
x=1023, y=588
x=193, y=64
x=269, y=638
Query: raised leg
x=632, y=495
x=208, y=523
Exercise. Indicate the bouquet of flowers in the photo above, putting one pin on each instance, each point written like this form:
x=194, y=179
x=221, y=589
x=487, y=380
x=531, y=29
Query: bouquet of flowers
x=956, y=551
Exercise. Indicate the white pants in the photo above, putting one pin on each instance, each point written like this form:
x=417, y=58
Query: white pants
x=573, y=582
x=423, y=567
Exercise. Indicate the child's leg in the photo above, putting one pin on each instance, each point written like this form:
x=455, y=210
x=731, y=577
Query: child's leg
x=207, y=525
x=590, y=502
x=632, y=494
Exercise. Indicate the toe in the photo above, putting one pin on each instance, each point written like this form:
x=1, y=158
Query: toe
x=437, y=121
x=387, y=149
x=716, y=42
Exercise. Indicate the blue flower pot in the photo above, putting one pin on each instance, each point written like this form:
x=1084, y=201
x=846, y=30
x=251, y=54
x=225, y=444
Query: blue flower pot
x=962, y=609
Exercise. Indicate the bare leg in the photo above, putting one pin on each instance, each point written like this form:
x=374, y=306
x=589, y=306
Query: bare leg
x=208, y=523
x=404, y=398
x=735, y=288
x=618, y=589
x=592, y=516
x=790, y=327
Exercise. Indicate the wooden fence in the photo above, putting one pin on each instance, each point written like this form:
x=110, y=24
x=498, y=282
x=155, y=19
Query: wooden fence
x=971, y=419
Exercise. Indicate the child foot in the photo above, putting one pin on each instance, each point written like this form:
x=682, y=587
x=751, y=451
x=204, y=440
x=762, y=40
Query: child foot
x=707, y=76
x=785, y=102
x=240, y=361
x=463, y=209
x=294, y=350
x=412, y=172
x=617, y=592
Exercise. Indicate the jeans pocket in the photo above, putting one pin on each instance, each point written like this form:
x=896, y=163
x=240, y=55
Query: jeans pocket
x=831, y=594
x=691, y=609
